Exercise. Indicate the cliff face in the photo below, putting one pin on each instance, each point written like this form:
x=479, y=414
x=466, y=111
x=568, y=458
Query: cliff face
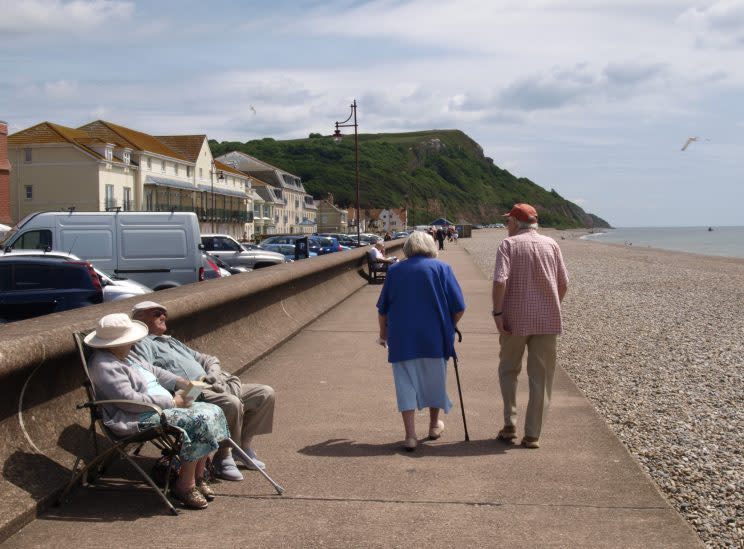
x=437, y=173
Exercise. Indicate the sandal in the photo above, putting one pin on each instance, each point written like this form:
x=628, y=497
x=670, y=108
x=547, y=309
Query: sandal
x=191, y=499
x=205, y=490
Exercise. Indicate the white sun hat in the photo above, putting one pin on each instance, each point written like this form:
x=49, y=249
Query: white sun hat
x=114, y=330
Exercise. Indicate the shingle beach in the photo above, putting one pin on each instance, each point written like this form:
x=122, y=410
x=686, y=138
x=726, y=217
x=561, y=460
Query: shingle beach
x=655, y=340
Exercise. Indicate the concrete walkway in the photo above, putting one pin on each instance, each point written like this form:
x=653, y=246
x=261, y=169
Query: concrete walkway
x=337, y=451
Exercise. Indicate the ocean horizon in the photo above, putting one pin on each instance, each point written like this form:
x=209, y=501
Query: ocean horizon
x=727, y=241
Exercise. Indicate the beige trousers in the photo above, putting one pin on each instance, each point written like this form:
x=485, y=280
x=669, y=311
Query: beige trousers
x=540, y=368
x=248, y=408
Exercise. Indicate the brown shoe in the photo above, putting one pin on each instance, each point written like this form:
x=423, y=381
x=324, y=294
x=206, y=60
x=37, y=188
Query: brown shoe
x=507, y=433
x=205, y=490
x=191, y=499
x=530, y=442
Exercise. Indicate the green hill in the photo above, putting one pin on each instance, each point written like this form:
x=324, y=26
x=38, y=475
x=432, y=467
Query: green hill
x=433, y=173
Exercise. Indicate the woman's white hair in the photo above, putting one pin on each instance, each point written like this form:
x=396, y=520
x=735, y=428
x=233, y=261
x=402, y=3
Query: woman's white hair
x=420, y=243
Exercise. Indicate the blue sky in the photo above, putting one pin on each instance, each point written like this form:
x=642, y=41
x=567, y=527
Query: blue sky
x=592, y=99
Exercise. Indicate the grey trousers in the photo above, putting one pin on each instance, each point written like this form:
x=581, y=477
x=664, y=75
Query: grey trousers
x=541, y=351
x=248, y=408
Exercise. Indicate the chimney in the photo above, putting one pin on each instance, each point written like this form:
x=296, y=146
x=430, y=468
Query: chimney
x=4, y=176
x=330, y=198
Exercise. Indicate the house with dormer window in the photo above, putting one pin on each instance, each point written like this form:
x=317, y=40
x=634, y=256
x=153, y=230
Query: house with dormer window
x=294, y=214
x=104, y=166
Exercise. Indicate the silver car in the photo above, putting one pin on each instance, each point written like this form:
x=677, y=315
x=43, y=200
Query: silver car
x=114, y=289
x=231, y=252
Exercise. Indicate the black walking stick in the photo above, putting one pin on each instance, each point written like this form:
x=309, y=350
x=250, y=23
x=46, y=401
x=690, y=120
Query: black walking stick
x=459, y=390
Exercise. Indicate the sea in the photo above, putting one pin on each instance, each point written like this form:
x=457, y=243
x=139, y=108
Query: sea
x=718, y=241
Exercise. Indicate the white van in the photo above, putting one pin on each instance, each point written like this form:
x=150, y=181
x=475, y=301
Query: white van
x=157, y=249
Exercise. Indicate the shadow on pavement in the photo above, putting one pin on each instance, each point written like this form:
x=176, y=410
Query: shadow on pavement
x=339, y=447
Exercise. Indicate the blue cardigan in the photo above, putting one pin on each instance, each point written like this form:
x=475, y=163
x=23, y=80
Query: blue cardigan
x=419, y=297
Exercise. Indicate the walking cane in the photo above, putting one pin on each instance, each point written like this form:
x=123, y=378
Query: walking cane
x=459, y=389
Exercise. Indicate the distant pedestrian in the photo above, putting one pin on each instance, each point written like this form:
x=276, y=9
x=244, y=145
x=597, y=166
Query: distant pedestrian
x=529, y=283
x=440, y=237
x=419, y=307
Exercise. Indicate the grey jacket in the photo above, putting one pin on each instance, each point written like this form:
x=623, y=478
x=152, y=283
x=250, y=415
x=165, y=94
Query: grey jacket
x=115, y=379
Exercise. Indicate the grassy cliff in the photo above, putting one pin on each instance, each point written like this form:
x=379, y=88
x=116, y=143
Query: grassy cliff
x=433, y=173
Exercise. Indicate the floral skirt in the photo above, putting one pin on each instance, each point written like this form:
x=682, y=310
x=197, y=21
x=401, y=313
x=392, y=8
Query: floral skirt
x=204, y=426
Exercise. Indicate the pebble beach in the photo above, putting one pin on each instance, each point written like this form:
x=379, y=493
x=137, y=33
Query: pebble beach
x=655, y=340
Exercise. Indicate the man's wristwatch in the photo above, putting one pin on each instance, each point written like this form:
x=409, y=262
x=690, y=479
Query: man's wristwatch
x=494, y=313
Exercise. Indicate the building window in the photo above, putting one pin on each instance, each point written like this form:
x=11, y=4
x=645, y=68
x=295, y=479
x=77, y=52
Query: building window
x=29, y=190
x=148, y=200
x=162, y=166
x=257, y=210
x=127, y=205
x=110, y=197
x=109, y=153
x=27, y=155
x=201, y=173
x=149, y=163
x=126, y=157
x=188, y=171
x=175, y=168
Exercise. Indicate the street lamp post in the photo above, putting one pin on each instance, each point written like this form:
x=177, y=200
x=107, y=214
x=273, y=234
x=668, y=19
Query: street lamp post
x=337, y=137
x=220, y=176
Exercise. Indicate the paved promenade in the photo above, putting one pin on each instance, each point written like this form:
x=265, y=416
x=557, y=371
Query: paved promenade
x=337, y=451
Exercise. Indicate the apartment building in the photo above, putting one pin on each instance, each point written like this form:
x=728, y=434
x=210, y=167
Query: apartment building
x=104, y=166
x=294, y=212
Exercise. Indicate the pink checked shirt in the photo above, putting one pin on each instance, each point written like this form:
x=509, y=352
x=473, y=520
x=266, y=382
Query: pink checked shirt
x=532, y=267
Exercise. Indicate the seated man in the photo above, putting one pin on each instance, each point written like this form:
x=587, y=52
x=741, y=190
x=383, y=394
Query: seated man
x=377, y=256
x=249, y=408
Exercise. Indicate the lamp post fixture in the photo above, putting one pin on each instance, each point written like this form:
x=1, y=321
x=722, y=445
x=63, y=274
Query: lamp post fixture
x=220, y=176
x=337, y=136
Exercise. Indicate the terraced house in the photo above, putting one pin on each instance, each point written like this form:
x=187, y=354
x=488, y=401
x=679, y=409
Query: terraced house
x=294, y=209
x=103, y=166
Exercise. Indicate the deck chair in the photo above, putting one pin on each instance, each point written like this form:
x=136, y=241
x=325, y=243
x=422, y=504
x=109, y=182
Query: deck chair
x=165, y=437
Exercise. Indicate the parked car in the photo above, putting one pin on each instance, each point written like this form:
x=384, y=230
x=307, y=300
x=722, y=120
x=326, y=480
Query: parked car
x=346, y=240
x=400, y=234
x=287, y=250
x=210, y=270
x=114, y=288
x=225, y=269
x=313, y=244
x=231, y=252
x=36, y=286
x=327, y=244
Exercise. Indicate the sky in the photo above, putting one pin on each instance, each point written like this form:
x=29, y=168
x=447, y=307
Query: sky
x=592, y=99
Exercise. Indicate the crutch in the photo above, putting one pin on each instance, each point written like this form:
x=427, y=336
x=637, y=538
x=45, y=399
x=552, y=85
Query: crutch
x=248, y=460
x=459, y=389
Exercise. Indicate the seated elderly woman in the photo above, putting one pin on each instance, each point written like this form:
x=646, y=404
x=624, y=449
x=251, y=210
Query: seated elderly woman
x=117, y=374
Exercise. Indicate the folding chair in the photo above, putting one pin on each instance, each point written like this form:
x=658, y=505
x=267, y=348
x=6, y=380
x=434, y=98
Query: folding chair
x=166, y=438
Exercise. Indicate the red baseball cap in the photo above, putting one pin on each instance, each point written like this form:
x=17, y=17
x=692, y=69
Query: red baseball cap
x=523, y=212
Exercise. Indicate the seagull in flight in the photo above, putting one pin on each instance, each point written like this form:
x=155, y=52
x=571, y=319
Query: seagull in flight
x=690, y=140
x=254, y=110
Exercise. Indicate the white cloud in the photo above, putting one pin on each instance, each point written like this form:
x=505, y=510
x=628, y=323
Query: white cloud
x=36, y=16
x=719, y=24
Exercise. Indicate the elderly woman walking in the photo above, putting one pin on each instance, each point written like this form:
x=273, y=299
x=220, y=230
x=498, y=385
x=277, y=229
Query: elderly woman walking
x=118, y=374
x=419, y=307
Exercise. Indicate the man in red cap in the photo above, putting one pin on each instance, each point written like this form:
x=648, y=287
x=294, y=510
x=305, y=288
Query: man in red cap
x=529, y=283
